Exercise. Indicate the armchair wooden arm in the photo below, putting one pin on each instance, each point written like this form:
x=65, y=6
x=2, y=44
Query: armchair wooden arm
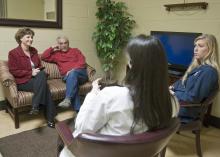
x=64, y=132
x=204, y=103
x=186, y=104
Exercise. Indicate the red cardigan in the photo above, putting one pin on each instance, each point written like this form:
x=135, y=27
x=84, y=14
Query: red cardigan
x=71, y=59
x=20, y=66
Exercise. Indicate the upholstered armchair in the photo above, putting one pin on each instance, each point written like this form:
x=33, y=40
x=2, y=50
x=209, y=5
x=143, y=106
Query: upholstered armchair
x=18, y=101
x=148, y=144
x=196, y=125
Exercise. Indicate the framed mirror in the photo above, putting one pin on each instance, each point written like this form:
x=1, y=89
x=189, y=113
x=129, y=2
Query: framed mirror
x=31, y=13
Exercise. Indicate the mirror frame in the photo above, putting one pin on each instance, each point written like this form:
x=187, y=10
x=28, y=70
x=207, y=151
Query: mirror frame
x=37, y=23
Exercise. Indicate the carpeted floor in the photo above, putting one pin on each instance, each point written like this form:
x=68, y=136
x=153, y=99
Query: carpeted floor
x=41, y=142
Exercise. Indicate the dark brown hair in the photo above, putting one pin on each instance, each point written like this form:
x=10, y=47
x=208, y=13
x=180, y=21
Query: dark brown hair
x=147, y=79
x=22, y=32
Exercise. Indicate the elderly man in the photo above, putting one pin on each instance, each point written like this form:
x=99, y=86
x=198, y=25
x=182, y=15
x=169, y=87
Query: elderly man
x=72, y=66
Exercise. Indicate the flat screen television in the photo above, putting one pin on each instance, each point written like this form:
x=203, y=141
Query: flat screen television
x=179, y=48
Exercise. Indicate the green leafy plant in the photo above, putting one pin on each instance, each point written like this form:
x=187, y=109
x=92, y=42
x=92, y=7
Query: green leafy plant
x=112, y=32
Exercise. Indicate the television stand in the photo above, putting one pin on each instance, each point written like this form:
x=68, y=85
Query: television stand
x=175, y=73
x=174, y=76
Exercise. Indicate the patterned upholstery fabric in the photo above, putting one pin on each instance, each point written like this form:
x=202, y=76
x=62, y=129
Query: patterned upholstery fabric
x=91, y=72
x=57, y=87
x=6, y=77
x=24, y=98
x=52, y=70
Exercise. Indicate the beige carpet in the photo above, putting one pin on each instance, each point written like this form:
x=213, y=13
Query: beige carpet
x=28, y=122
x=182, y=145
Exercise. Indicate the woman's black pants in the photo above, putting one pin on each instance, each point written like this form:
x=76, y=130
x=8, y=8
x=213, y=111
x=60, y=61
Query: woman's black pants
x=38, y=85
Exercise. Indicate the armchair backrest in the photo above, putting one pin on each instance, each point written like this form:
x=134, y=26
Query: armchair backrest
x=147, y=144
x=51, y=69
x=206, y=104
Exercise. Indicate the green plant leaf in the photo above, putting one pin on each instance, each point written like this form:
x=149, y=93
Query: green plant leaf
x=112, y=31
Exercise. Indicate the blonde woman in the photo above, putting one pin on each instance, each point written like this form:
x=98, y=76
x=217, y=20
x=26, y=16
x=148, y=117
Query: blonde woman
x=200, y=79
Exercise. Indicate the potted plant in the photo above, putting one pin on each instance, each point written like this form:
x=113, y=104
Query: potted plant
x=113, y=30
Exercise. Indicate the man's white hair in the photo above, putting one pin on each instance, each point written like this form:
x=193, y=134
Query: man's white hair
x=62, y=37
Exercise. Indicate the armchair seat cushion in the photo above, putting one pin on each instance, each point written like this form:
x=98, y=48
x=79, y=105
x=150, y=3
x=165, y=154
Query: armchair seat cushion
x=24, y=99
x=57, y=88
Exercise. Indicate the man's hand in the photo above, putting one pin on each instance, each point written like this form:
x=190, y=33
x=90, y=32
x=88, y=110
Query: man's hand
x=55, y=47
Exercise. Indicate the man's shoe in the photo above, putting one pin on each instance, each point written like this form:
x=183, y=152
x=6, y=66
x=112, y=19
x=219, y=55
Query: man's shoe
x=34, y=111
x=51, y=124
x=65, y=103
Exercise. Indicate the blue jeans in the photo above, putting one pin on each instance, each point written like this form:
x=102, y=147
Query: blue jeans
x=75, y=78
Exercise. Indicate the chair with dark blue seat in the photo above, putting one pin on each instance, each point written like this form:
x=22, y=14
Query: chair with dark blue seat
x=196, y=124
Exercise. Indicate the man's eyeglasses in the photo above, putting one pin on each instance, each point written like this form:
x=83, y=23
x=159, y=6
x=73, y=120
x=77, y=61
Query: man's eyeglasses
x=62, y=43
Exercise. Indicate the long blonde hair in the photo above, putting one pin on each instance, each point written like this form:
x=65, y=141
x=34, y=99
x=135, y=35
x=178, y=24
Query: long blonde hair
x=211, y=58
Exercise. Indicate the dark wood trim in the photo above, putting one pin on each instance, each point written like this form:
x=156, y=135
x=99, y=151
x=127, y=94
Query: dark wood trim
x=214, y=121
x=59, y=14
x=2, y=105
x=202, y=5
x=36, y=23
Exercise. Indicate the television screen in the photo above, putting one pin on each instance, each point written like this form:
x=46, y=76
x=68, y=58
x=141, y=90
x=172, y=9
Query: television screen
x=179, y=48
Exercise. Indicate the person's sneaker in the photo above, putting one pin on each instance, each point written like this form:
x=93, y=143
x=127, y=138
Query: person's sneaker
x=65, y=103
x=51, y=124
x=34, y=111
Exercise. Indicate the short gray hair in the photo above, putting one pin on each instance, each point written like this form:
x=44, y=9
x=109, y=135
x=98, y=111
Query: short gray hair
x=62, y=37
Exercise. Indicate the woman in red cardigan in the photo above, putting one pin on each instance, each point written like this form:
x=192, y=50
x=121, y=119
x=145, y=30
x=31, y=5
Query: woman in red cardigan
x=24, y=63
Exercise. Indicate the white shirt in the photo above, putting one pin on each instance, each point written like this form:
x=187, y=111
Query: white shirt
x=109, y=112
